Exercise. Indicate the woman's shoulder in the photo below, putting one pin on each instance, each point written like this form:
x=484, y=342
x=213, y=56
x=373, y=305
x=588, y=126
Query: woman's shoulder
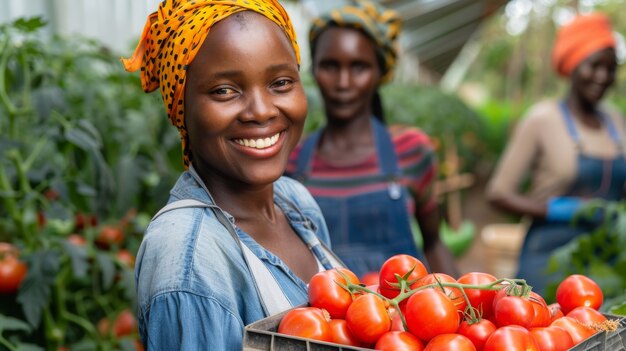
x=402, y=133
x=175, y=246
x=543, y=110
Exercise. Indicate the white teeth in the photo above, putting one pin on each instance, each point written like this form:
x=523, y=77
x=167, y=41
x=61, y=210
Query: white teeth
x=259, y=143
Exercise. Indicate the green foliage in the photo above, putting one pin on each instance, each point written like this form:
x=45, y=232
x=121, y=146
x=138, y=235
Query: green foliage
x=600, y=255
x=81, y=147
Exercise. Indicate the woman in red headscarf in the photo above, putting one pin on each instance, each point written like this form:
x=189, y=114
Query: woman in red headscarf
x=572, y=148
x=237, y=242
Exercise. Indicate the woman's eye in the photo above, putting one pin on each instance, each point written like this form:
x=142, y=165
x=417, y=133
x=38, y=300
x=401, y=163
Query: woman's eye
x=223, y=91
x=282, y=83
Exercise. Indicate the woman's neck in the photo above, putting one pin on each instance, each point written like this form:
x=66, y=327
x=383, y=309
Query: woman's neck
x=240, y=200
x=585, y=111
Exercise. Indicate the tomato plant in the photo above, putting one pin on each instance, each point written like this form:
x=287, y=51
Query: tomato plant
x=399, y=265
x=430, y=312
x=306, y=322
x=398, y=341
x=325, y=291
x=456, y=342
x=578, y=290
x=367, y=318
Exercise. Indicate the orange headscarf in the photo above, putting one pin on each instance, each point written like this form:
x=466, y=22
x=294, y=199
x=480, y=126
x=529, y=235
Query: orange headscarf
x=576, y=41
x=173, y=35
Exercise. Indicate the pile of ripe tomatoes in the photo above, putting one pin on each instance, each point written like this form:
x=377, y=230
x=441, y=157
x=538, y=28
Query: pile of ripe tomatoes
x=410, y=309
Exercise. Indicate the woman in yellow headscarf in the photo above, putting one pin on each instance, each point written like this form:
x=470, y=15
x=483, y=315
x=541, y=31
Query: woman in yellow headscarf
x=236, y=242
x=371, y=180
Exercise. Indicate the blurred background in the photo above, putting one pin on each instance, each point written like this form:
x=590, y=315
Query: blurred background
x=86, y=158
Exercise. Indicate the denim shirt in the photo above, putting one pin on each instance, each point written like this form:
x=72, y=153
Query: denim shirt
x=195, y=291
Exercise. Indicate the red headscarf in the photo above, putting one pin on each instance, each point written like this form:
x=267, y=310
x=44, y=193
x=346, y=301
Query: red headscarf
x=576, y=41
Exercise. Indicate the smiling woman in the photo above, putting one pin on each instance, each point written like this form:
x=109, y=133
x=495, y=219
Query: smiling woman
x=572, y=149
x=236, y=242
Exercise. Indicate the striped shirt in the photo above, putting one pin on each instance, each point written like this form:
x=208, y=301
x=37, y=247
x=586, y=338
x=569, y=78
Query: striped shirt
x=418, y=162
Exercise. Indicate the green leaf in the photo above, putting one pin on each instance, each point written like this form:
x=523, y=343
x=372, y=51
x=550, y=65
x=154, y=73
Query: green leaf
x=107, y=266
x=34, y=293
x=28, y=347
x=78, y=257
x=10, y=323
x=29, y=25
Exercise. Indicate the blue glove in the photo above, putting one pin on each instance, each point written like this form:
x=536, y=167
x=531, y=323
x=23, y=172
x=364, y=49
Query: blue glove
x=563, y=209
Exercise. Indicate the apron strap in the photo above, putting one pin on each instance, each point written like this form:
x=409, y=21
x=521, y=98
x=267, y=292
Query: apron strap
x=264, y=282
x=571, y=128
x=387, y=158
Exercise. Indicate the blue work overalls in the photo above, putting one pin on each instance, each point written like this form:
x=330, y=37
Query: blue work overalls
x=368, y=228
x=595, y=178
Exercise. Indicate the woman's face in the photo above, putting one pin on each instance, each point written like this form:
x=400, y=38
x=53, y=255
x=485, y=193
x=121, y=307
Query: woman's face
x=347, y=72
x=244, y=101
x=594, y=76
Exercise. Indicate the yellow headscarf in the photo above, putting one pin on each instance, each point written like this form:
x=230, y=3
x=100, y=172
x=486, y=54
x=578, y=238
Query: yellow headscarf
x=171, y=39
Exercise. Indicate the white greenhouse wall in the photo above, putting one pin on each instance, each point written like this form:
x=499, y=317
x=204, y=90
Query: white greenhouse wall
x=115, y=23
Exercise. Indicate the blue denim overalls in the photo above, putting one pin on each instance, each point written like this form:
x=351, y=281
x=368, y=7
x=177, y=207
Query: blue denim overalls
x=595, y=178
x=368, y=228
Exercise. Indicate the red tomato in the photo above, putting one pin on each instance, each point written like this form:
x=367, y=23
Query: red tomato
x=552, y=338
x=325, y=292
x=482, y=300
x=587, y=315
x=477, y=332
x=124, y=324
x=12, y=270
x=543, y=316
x=400, y=265
x=367, y=318
x=126, y=257
x=514, y=310
x=370, y=278
x=555, y=311
x=399, y=341
x=577, y=331
x=450, y=342
x=454, y=294
x=511, y=338
x=109, y=235
x=429, y=313
x=77, y=239
x=306, y=322
x=578, y=290
x=82, y=220
x=340, y=334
